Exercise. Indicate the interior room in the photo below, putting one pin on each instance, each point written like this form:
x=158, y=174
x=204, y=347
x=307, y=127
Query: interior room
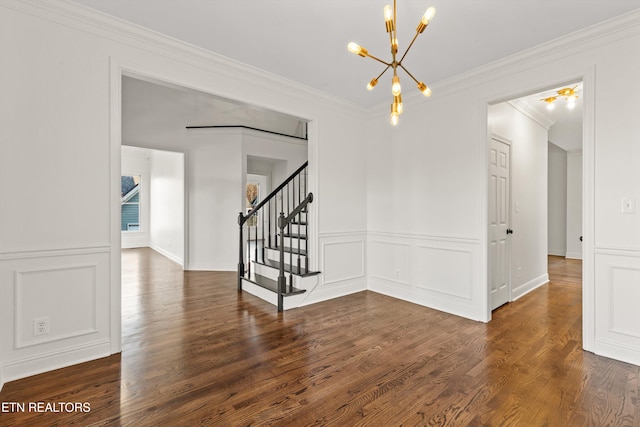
x=307, y=215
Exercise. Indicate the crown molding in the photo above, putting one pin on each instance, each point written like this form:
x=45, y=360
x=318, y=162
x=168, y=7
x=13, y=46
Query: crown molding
x=600, y=34
x=80, y=17
x=543, y=121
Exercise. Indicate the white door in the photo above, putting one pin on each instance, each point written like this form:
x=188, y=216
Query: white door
x=499, y=221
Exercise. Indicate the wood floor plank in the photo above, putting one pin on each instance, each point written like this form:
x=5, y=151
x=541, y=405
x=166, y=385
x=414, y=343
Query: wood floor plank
x=197, y=352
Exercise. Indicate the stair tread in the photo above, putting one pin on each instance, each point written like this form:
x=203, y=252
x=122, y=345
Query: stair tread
x=272, y=285
x=287, y=268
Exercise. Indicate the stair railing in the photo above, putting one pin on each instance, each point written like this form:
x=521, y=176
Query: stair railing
x=285, y=199
x=283, y=222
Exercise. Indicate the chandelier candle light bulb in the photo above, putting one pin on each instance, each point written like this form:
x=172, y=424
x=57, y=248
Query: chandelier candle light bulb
x=426, y=19
x=394, y=114
x=569, y=94
x=396, y=89
x=391, y=28
x=388, y=18
x=424, y=89
x=357, y=49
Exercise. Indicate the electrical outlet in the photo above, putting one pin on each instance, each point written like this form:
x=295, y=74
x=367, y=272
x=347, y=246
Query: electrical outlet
x=628, y=206
x=40, y=326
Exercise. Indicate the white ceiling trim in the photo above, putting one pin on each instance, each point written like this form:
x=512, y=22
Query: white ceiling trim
x=588, y=38
x=94, y=22
x=532, y=114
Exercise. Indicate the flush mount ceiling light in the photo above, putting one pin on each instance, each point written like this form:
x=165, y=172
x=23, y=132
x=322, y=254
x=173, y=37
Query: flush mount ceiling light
x=391, y=27
x=568, y=93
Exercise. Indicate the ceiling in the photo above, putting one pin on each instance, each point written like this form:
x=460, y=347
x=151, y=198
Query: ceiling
x=306, y=41
x=565, y=125
x=153, y=108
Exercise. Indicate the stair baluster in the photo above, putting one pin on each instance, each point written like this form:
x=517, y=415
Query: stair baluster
x=279, y=231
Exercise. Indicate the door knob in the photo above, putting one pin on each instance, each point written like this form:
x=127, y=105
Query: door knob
x=509, y=231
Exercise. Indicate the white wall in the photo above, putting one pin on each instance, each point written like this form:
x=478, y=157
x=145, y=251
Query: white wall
x=557, y=201
x=424, y=205
x=167, y=204
x=529, y=162
x=567, y=133
x=286, y=154
x=64, y=66
x=427, y=190
x=136, y=161
x=574, y=205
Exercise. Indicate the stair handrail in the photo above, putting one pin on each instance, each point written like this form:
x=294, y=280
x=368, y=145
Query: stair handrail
x=284, y=221
x=282, y=224
x=243, y=218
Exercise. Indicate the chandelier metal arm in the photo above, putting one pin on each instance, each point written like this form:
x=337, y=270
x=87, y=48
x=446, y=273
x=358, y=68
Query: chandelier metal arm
x=378, y=59
x=383, y=71
x=391, y=25
x=408, y=47
x=410, y=75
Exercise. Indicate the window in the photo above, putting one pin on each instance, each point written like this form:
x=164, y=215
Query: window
x=130, y=206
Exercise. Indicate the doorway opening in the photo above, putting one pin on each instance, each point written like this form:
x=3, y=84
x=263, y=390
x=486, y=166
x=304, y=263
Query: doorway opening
x=535, y=203
x=153, y=201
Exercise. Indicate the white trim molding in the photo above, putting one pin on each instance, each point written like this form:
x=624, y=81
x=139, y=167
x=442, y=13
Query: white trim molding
x=438, y=272
x=617, y=292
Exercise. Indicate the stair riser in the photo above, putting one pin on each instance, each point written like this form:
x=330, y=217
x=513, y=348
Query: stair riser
x=293, y=243
x=298, y=229
x=298, y=281
x=290, y=302
x=274, y=255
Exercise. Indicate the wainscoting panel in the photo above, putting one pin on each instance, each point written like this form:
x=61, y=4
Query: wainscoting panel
x=342, y=266
x=69, y=289
x=342, y=261
x=36, y=288
x=390, y=261
x=617, y=305
x=455, y=280
x=437, y=272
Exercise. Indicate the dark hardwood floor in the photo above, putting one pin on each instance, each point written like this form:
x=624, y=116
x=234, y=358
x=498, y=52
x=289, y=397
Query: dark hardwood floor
x=195, y=352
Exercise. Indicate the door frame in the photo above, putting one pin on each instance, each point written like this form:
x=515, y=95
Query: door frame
x=155, y=70
x=588, y=77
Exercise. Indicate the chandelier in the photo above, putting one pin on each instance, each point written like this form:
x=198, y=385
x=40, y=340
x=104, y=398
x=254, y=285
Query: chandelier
x=391, y=27
x=568, y=93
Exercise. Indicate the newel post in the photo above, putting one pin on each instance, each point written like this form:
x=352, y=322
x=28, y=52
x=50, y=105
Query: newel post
x=241, y=252
x=282, y=281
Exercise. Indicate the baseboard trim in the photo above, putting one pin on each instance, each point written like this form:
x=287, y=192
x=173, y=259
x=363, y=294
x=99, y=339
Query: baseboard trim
x=50, y=361
x=169, y=255
x=531, y=285
x=206, y=267
x=556, y=252
x=617, y=351
x=573, y=255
